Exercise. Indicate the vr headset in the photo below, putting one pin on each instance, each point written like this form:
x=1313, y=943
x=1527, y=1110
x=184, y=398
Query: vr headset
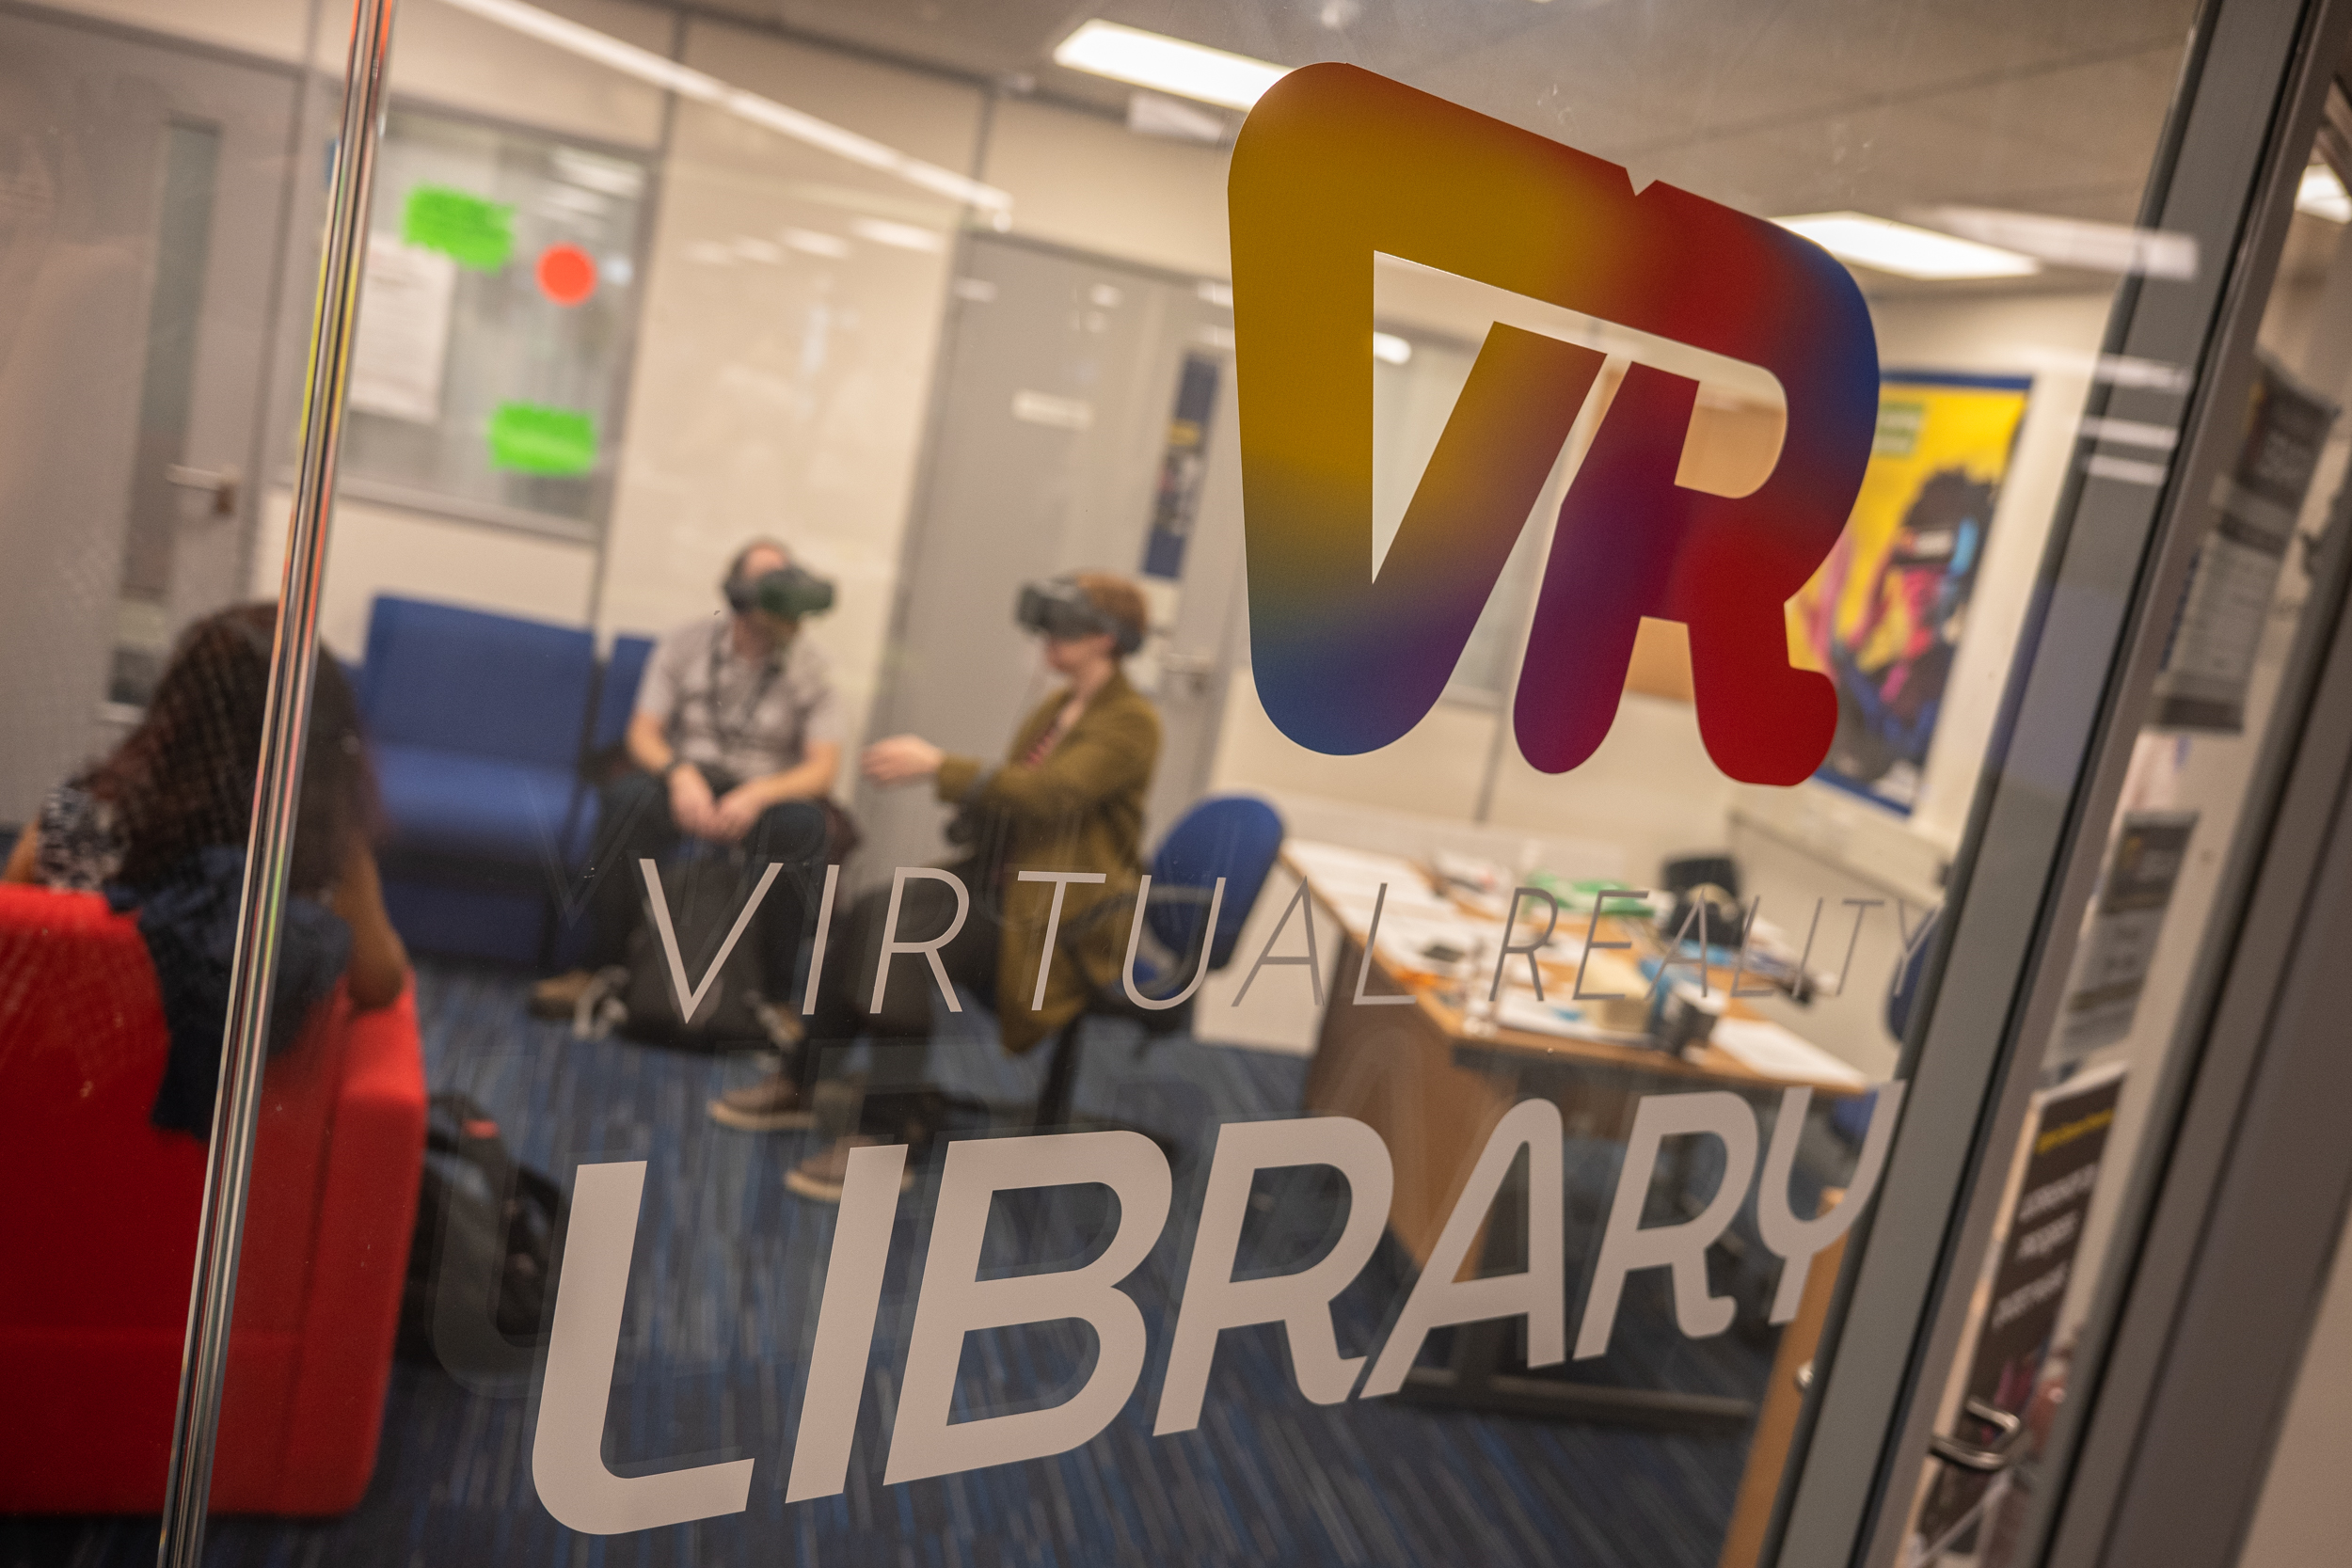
x=788, y=594
x=1061, y=608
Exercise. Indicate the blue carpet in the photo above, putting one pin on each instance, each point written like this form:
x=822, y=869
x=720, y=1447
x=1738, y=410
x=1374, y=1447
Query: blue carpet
x=722, y=1306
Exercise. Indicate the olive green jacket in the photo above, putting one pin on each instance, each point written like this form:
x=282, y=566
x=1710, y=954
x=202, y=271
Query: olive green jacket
x=1080, y=809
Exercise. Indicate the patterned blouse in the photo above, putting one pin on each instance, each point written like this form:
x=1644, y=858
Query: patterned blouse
x=80, y=847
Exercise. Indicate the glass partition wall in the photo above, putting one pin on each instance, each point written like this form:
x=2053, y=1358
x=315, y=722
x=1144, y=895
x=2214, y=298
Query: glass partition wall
x=1082, y=798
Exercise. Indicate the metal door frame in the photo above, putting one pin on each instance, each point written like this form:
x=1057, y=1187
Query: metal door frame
x=2254, y=83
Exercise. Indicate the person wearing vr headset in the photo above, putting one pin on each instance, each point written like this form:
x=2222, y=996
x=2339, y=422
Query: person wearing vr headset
x=736, y=740
x=1068, y=797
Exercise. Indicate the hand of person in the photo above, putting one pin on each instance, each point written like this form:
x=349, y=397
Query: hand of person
x=734, y=814
x=690, y=805
x=902, y=759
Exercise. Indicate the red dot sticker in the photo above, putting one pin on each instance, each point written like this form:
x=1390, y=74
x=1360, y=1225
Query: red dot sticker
x=567, y=275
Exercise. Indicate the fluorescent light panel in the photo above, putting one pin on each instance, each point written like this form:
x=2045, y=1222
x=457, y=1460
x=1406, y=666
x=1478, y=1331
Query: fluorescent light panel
x=2323, y=196
x=647, y=66
x=1144, y=60
x=1905, y=249
x=2117, y=247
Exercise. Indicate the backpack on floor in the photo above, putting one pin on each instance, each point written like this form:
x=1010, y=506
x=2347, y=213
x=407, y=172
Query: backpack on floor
x=705, y=894
x=483, y=1263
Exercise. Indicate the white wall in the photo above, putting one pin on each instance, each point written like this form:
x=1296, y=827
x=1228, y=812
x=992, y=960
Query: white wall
x=387, y=549
x=444, y=55
x=778, y=391
x=273, y=29
x=1088, y=182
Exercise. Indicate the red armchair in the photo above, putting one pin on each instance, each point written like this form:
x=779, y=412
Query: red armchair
x=98, y=1226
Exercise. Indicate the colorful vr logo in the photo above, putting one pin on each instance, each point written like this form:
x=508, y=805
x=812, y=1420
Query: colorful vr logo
x=1335, y=164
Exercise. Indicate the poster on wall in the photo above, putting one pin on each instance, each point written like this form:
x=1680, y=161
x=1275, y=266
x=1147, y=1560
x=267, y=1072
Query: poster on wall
x=1176, y=499
x=2218, y=629
x=1884, y=614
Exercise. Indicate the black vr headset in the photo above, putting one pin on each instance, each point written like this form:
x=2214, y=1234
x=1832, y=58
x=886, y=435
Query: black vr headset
x=788, y=594
x=1061, y=608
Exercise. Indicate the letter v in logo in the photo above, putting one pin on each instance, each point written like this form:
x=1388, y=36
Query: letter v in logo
x=1335, y=164
x=687, y=1000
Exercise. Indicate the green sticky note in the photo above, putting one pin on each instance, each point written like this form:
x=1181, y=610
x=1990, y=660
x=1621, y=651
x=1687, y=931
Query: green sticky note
x=472, y=231
x=533, y=439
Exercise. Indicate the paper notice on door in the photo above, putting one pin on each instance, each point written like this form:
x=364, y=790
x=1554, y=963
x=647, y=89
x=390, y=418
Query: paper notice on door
x=2042, y=1233
x=403, y=341
x=2218, y=629
x=2112, y=968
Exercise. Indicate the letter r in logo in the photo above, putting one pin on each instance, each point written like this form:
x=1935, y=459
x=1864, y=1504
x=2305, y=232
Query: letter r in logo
x=1335, y=164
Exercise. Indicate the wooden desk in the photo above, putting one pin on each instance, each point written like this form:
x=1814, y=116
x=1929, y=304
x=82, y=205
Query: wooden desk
x=1433, y=1083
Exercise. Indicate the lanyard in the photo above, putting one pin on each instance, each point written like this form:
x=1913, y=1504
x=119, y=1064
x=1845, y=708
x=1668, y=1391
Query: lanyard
x=727, y=737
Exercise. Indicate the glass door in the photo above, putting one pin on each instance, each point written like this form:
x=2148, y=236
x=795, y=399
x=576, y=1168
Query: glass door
x=2259, y=600
x=1306, y=783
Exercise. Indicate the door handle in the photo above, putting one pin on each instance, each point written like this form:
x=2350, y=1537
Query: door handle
x=219, y=483
x=1989, y=1459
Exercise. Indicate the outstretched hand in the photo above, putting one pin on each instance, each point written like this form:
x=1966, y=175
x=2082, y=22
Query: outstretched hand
x=902, y=759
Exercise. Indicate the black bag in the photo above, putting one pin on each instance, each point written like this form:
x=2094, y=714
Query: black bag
x=483, y=1265
x=705, y=894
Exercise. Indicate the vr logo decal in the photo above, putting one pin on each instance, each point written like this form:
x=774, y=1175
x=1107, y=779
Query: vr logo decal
x=1335, y=164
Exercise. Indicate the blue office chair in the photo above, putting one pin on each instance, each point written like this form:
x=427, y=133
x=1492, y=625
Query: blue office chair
x=1852, y=1118
x=1233, y=836
x=616, y=692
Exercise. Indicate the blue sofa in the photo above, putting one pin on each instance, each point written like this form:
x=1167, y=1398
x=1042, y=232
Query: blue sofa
x=481, y=724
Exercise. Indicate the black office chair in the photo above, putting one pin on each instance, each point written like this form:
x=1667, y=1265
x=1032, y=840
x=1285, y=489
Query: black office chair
x=1715, y=879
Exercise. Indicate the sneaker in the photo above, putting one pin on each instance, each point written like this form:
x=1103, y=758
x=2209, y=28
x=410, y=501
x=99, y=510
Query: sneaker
x=772, y=1104
x=558, y=997
x=822, y=1175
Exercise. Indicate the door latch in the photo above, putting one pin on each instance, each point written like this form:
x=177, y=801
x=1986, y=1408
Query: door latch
x=1987, y=1459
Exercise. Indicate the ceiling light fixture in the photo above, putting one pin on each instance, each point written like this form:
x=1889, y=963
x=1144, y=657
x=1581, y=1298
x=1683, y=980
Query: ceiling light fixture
x=2117, y=247
x=1905, y=249
x=686, y=82
x=1389, y=349
x=900, y=236
x=1144, y=60
x=2322, y=195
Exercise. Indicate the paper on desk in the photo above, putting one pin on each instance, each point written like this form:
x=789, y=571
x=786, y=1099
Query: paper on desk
x=1340, y=864
x=1349, y=881
x=1767, y=1048
x=1519, y=1009
x=1405, y=941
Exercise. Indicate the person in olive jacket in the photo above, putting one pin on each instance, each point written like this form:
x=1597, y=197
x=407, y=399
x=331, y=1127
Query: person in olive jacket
x=1068, y=797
